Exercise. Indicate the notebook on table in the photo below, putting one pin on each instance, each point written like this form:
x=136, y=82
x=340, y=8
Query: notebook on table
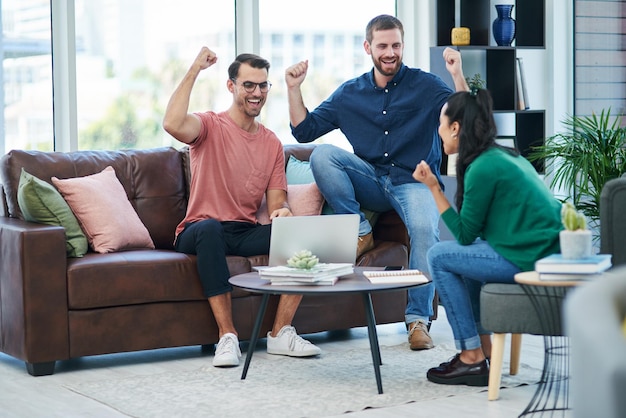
x=332, y=238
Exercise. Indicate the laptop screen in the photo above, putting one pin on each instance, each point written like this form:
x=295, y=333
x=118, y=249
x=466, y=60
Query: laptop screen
x=332, y=238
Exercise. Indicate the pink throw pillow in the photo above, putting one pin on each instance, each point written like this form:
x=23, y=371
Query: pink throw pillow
x=303, y=199
x=104, y=212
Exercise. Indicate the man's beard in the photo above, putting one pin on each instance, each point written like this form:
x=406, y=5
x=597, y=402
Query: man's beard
x=379, y=66
x=249, y=111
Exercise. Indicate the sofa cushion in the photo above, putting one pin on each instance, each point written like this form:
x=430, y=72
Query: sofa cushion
x=298, y=172
x=303, y=199
x=104, y=212
x=40, y=202
x=521, y=316
x=139, y=277
x=154, y=181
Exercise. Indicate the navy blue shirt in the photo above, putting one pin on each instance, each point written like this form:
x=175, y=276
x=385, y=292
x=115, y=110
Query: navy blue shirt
x=393, y=128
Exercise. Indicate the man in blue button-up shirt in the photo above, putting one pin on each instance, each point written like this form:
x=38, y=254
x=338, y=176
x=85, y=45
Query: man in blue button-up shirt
x=390, y=117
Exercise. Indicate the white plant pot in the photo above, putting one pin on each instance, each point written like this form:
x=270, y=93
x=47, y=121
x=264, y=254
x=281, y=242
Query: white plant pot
x=575, y=244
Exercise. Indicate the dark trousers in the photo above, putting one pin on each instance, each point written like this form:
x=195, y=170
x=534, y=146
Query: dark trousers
x=211, y=241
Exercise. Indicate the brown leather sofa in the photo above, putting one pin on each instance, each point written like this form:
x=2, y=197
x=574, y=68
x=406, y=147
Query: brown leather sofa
x=56, y=308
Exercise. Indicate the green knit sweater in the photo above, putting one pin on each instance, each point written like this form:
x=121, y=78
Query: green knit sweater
x=507, y=204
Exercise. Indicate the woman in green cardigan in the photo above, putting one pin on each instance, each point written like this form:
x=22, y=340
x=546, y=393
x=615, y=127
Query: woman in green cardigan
x=506, y=219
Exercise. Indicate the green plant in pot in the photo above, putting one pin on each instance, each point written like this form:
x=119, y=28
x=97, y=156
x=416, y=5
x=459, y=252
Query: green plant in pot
x=475, y=82
x=303, y=259
x=575, y=239
x=590, y=152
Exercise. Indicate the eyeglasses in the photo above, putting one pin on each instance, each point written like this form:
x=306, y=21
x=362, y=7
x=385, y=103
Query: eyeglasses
x=250, y=87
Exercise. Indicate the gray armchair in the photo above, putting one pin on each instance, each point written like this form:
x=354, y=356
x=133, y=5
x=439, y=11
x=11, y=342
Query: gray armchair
x=593, y=320
x=613, y=220
x=594, y=314
x=505, y=308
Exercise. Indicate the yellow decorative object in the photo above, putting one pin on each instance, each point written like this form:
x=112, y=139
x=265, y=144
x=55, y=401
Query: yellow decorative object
x=460, y=36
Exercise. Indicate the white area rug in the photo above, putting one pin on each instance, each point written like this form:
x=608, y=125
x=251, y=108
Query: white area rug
x=331, y=384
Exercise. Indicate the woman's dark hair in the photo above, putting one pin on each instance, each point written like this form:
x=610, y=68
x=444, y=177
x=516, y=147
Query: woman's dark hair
x=252, y=60
x=383, y=22
x=474, y=113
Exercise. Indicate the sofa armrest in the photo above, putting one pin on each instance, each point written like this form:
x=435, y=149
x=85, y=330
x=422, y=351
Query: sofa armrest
x=385, y=253
x=389, y=227
x=33, y=291
x=613, y=220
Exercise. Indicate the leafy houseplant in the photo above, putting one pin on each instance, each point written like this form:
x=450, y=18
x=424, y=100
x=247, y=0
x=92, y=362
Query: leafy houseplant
x=475, y=83
x=575, y=239
x=591, y=151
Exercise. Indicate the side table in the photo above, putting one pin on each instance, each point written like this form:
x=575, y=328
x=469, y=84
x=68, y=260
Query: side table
x=351, y=283
x=552, y=394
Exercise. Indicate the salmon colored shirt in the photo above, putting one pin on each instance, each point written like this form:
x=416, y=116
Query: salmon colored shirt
x=231, y=169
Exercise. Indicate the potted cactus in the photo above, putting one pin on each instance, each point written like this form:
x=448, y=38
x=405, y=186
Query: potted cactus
x=575, y=239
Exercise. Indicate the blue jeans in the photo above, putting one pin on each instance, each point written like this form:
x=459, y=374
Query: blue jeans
x=458, y=272
x=349, y=183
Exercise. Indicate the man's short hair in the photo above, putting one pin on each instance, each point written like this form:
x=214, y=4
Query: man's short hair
x=383, y=22
x=252, y=60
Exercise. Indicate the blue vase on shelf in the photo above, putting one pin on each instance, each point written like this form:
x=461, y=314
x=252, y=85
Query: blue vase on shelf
x=504, y=25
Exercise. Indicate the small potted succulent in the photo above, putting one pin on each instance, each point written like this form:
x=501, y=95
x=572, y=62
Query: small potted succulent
x=575, y=239
x=303, y=259
x=475, y=83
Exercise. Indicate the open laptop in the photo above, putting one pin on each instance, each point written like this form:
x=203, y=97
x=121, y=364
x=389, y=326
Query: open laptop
x=332, y=238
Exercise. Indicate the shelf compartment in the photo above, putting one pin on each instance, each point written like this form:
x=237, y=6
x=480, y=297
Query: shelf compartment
x=478, y=16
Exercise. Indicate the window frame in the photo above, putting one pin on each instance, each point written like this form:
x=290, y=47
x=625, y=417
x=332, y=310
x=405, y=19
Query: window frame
x=415, y=15
x=64, y=56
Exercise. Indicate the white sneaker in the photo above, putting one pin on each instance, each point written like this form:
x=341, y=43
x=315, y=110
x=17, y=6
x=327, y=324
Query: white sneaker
x=289, y=343
x=227, y=351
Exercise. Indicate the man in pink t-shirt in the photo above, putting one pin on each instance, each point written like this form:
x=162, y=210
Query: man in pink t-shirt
x=235, y=162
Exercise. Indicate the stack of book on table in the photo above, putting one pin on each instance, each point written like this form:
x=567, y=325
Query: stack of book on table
x=321, y=274
x=555, y=267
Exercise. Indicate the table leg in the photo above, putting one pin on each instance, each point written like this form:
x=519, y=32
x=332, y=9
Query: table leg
x=255, y=333
x=373, y=336
x=552, y=394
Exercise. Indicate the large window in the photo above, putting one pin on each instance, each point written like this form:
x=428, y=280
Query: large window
x=115, y=63
x=330, y=34
x=26, y=76
x=130, y=56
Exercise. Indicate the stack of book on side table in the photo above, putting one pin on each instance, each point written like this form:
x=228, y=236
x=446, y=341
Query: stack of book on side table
x=321, y=274
x=555, y=267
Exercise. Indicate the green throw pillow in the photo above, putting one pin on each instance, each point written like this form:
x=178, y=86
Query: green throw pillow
x=40, y=202
x=299, y=172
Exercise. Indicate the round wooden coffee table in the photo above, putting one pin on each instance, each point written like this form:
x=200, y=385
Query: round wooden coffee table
x=352, y=283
